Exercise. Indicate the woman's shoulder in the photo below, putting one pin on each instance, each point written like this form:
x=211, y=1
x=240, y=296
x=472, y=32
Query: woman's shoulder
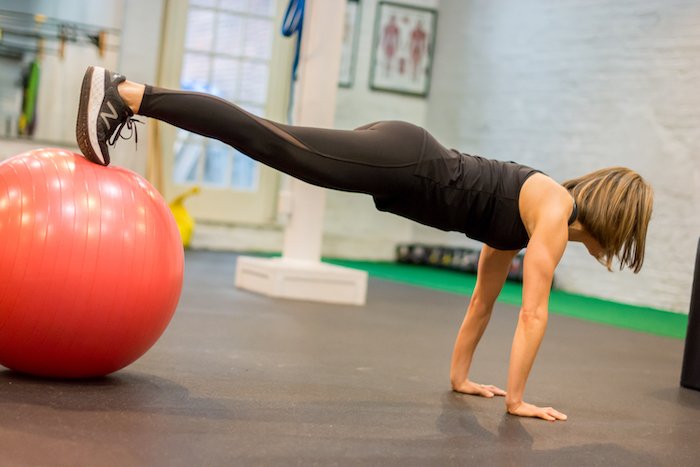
x=541, y=195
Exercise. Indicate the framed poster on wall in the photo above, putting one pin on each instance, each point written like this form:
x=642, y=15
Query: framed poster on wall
x=351, y=32
x=402, y=53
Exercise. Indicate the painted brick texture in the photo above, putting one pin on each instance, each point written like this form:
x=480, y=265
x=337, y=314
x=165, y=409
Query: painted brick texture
x=569, y=86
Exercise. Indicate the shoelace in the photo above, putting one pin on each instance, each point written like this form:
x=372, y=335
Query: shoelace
x=129, y=124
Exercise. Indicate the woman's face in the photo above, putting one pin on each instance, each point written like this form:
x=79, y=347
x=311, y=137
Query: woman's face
x=593, y=247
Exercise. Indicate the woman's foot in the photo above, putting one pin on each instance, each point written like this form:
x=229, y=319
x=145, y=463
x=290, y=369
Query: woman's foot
x=102, y=114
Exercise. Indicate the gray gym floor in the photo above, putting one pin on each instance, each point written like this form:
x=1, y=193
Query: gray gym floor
x=240, y=379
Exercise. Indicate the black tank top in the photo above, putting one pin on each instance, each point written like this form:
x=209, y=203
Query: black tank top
x=468, y=194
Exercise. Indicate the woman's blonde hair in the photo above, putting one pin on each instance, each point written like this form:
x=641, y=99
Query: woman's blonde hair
x=614, y=206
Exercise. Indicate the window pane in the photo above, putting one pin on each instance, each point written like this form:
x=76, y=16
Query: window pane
x=229, y=34
x=180, y=138
x=258, y=38
x=200, y=29
x=225, y=79
x=217, y=163
x=233, y=5
x=209, y=3
x=187, y=153
x=262, y=7
x=254, y=82
x=195, y=72
x=245, y=172
x=227, y=54
x=254, y=109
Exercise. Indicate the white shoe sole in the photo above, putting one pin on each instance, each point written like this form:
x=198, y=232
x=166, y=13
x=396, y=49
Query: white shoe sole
x=88, y=113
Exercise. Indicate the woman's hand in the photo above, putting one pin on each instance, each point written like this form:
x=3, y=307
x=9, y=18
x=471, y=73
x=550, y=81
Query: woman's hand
x=523, y=409
x=476, y=389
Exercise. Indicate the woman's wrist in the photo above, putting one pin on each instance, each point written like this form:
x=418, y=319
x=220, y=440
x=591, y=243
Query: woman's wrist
x=456, y=379
x=513, y=403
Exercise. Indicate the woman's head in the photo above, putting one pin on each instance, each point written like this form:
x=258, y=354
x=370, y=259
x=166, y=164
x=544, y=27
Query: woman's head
x=614, y=206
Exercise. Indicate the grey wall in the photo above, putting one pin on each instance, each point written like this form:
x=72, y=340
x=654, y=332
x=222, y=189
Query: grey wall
x=572, y=86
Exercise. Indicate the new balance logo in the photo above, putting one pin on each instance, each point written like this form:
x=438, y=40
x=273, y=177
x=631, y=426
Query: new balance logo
x=113, y=115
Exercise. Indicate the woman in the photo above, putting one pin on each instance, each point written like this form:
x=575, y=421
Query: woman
x=506, y=205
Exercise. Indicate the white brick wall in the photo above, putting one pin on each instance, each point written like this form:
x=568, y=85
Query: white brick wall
x=571, y=86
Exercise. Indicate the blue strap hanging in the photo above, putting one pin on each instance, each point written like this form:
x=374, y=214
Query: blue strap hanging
x=293, y=23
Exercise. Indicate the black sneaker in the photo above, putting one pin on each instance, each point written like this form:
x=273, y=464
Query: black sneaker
x=102, y=114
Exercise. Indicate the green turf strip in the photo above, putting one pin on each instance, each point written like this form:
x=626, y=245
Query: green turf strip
x=654, y=321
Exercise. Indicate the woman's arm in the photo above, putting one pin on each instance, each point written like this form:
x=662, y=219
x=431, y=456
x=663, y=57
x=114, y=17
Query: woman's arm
x=492, y=273
x=545, y=249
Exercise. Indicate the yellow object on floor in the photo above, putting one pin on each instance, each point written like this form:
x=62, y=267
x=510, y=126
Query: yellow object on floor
x=183, y=219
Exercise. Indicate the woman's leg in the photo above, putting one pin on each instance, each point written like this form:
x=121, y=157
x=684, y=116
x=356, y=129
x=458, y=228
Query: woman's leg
x=378, y=159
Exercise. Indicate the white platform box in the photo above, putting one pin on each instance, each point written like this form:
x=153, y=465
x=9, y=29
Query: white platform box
x=301, y=280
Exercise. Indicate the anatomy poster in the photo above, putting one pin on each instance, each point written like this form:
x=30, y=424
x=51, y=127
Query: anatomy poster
x=351, y=31
x=404, y=38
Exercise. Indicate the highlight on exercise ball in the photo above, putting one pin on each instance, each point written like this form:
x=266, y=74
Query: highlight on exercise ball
x=91, y=265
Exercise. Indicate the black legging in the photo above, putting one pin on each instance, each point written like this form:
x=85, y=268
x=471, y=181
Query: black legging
x=378, y=159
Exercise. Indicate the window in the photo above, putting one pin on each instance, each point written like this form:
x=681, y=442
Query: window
x=228, y=45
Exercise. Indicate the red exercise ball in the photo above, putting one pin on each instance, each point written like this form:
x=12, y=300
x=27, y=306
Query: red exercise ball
x=91, y=265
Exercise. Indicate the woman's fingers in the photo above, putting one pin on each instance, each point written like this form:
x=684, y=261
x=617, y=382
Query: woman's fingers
x=483, y=390
x=548, y=413
x=528, y=410
x=556, y=414
x=495, y=390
